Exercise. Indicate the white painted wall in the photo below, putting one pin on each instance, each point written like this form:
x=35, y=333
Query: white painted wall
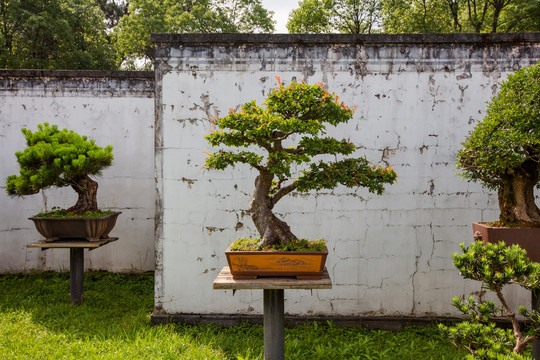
x=112, y=110
x=389, y=254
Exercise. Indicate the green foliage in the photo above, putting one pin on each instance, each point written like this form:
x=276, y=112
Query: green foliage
x=55, y=157
x=311, y=17
x=348, y=172
x=482, y=311
x=112, y=10
x=414, y=16
x=335, y=16
x=496, y=266
x=301, y=110
x=417, y=16
x=132, y=35
x=62, y=213
x=508, y=138
x=298, y=245
x=484, y=339
x=460, y=16
x=54, y=34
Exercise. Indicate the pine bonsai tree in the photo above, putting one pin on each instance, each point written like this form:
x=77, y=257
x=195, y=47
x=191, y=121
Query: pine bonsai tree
x=290, y=131
x=60, y=158
x=503, y=151
x=496, y=266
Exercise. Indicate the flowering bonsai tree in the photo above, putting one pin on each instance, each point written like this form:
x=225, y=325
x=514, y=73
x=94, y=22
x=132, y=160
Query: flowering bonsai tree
x=55, y=157
x=496, y=266
x=503, y=151
x=290, y=131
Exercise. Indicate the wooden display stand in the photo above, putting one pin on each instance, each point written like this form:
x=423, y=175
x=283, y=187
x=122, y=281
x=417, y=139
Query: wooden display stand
x=76, y=261
x=273, y=303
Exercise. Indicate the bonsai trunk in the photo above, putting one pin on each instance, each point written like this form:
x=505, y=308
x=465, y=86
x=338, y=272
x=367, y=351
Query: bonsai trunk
x=516, y=198
x=86, y=189
x=272, y=230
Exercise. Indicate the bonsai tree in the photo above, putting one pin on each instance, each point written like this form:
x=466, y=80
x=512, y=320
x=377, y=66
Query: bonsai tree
x=290, y=131
x=503, y=150
x=496, y=266
x=55, y=157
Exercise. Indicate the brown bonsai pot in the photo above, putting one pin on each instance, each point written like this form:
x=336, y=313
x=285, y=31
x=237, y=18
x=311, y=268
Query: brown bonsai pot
x=252, y=264
x=90, y=228
x=526, y=238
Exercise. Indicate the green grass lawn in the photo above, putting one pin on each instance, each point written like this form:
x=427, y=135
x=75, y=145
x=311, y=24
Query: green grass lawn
x=38, y=322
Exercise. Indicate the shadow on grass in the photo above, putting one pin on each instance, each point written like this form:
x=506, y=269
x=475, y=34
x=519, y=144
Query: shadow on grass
x=109, y=298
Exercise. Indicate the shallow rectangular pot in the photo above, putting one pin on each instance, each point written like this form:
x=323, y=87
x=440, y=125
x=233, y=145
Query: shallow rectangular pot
x=90, y=228
x=252, y=264
x=526, y=238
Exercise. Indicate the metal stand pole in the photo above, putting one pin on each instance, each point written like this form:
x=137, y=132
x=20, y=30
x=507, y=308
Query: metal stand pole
x=536, y=306
x=76, y=275
x=274, y=333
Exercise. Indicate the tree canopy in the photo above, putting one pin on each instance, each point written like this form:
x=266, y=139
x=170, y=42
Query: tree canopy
x=503, y=150
x=132, y=35
x=114, y=34
x=335, y=16
x=54, y=34
x=414, y=16
x=290, y=132
x=109, y=34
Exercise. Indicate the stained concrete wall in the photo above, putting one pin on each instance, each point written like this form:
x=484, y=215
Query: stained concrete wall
x=417, y=97
x=114, y=108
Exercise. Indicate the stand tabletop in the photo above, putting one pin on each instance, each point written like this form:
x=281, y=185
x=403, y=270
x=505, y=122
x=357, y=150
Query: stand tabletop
x=71, y=243
x=225, y=281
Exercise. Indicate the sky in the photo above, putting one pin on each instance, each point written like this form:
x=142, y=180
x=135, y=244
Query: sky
x=281, y=9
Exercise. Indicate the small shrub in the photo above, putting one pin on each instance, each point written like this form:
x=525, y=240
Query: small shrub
x=297, y=245
x=496, y=266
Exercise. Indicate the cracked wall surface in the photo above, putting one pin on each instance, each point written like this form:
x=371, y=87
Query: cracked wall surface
x=115, y=108
x=417, y=97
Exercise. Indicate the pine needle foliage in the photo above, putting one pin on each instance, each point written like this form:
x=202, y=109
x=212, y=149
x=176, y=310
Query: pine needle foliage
x=56, y=158
x=496, y=266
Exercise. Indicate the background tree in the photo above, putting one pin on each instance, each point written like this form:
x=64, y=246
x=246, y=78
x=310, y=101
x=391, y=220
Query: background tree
x=335, y=16
x=54, y=34
x=414, y=16
x=113, y=10
x=58, y=158
x=503, y=150
x=520, y=17
x=132, y=35
x=420, y=16
x=438, y=16
x=290, y=131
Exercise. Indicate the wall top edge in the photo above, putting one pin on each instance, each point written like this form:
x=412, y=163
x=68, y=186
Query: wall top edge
x=146, y=75
x=325, y=39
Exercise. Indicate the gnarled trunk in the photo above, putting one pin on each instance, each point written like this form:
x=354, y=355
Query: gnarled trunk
x=516, y=198
x=86, y=189
x=271, y=229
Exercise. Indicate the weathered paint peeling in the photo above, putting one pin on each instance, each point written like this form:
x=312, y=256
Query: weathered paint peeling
x=418, y=96
x=99, y=104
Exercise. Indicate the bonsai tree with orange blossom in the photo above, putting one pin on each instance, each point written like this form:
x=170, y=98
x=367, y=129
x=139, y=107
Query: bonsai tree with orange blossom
x=290, y=130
